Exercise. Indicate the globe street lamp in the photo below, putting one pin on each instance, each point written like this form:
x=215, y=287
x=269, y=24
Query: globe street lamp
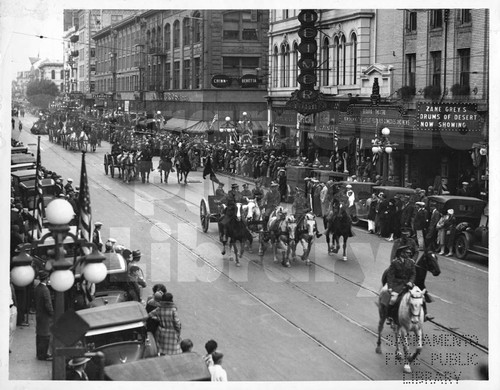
x=247, y=133
x=59, y=213
x=382, y=146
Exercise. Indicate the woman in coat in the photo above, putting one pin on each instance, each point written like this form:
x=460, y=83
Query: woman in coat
x=168, y=333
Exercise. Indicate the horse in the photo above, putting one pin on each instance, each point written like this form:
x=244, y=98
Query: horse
x=144, y=165
x=338, y=224
x=165, y=167
x=93, y=140
x=281, y=233
x=127, y=164
x=183, y=166
x=72, y=141
x=253, y=217
x=236, y=231
x=306, y=231
x=414, y=301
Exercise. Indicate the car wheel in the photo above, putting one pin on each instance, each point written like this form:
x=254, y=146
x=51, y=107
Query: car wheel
x=151, y=348
x=461, y=246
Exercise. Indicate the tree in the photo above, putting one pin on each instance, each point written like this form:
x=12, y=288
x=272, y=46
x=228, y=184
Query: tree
x=41, y=92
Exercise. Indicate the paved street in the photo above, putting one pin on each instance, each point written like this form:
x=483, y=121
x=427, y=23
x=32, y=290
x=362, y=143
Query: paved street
x=272, y=323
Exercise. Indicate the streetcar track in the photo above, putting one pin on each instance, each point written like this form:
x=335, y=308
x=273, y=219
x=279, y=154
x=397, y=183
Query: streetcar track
x=196, y=226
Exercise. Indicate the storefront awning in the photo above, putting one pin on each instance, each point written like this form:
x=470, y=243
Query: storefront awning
x=259, y=125
x=177, y=124
x=199, y=128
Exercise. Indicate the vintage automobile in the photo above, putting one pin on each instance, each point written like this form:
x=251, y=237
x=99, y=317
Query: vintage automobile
x=27, y=192
x=470, y=236
x=391, y=191
x=119, y=331
x=20, y=176
x=188, y=366
x=39, y=127
x=324, y=175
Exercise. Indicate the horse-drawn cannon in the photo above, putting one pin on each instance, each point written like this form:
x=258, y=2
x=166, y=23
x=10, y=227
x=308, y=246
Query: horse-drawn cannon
x=209, y=211
x=110, y=163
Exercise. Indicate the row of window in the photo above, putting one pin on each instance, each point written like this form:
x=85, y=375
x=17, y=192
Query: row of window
x=435, y=71
x=338, y=63
x=437, y=17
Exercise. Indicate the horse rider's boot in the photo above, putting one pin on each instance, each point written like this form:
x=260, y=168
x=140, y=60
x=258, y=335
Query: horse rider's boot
x=428, y=297
x=238, y=263
x=318, y=234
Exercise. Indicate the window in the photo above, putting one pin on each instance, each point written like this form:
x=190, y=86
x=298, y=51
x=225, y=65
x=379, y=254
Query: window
x=53, y=74
x=285, y=66
x=336, y=44
x=197, y=27
x=62, y=75
x=295, y=63
x=464, y=16
x=340, y=60
x=167, y=75
x=437, y=18
x=464, y=66
x=177, y=33
x=238, y=66
x=435, y=68
x=186, y=31
x=177, y=72
x=240, y=21
x=167, y=37
x=92, y=52
x=197, y=73
x=411, y=63
x=354, y=58
x=411, y=21
x=325, y=61
x=275, y=67
x=116, y=18
x=186, y=74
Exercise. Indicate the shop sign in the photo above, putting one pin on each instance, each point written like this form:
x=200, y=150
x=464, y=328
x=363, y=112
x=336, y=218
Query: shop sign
x=460, y=117
x=285, y=117
x=100, y=96
x=249, y=81
x=221, y=81
x=174, y=97
x=376, y=115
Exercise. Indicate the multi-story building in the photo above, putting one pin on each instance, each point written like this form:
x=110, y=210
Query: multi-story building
x=432, y=72
x=52, y=71
x=80, y=61
x=194, y=66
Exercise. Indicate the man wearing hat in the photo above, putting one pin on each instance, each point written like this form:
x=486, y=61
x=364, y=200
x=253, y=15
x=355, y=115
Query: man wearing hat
x=246, y=192
x=78, y=366
x=400, y=275
x=110, y=245
x=271, y=200
x=68, y=188
x=257, y=192
x=96, y=235
x=232, y=197
x=420, y=222
x=464, y=191
x=44, y=316
x=219, y=192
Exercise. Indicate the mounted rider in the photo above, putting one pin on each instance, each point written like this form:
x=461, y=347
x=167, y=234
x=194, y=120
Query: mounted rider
x=271, y=200
x=400, y=277
x=230, y=200
x=258, y=193
x=246, y=192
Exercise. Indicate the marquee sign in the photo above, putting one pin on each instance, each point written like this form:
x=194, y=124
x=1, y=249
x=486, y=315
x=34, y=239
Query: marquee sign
x=221, y=81
x=459, y=117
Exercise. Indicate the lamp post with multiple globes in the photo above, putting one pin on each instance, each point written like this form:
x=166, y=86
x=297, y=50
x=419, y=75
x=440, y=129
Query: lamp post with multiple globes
x=383, y=147
x=59, y=213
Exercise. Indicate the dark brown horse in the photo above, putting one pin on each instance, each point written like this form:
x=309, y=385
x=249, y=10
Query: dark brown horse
x=183, y=165
x=338, y=224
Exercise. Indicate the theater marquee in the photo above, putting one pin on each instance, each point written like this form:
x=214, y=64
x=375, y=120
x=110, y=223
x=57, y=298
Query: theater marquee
x=461, y=117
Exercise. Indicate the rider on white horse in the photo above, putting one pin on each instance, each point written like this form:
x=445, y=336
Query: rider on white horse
x=400, y=275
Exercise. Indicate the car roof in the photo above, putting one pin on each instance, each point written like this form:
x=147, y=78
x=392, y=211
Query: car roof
x=188, y=366
x=394, y=189
x=446, y=198
x=117, y=314
x=24, y=173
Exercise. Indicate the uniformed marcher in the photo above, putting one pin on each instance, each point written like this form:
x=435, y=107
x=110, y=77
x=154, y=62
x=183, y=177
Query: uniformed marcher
x=246, y=192
x=68, y=188
x=219, y=192
x=230, y=199
x=257, y=193
x=96, y=235
x=271, y=200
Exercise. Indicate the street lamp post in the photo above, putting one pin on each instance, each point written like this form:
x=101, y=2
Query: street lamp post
x=247, y=133
x=59, y=213
x=228, y=129
x=382, y=146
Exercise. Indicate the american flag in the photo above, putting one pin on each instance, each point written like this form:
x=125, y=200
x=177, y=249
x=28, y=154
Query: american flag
x=38, y=208
x=216, y=118
x=85, y=214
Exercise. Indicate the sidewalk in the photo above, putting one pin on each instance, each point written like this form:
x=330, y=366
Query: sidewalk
x=23, y=364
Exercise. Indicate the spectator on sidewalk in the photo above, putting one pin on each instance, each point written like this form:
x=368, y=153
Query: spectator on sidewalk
x=186, y=345
x=217, y=373
x=210, y=347
x=44, y=317
x=168, y=334
x=77, y=366
x=12, y=315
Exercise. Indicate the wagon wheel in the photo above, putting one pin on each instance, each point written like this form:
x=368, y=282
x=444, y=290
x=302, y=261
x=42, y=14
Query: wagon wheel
x=106, y=168
x=112, y=168
x=204, y=218
x=461, y=246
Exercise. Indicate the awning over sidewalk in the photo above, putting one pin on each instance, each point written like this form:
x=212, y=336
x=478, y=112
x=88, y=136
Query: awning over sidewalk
x=190, y=126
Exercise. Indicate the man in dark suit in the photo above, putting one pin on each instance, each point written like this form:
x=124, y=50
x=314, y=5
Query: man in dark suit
x=44, y=316
x=77, y=366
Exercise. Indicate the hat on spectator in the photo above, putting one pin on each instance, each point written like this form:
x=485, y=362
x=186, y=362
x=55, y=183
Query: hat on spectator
x=465, y=183
x=420, y=203
x=112, y=240
x=451, y=211
x=245, y=185
x=70, y=180
x=381, y=195
x=98, y=224
x=274, y=184
x=78, y=361
x=234, y=185
x=42, y=274
x=348, y=186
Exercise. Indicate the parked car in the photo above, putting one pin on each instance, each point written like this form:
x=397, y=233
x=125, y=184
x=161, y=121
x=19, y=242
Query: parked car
x=119, y=331
x=188, y=366
x=471, y=236
x=391, y=191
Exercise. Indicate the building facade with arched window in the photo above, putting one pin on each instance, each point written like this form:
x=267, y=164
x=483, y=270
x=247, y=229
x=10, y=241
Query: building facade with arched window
x=383, y=68
x=52, y=71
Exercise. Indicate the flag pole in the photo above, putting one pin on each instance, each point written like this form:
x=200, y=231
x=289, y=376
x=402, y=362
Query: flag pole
x=38, y=207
